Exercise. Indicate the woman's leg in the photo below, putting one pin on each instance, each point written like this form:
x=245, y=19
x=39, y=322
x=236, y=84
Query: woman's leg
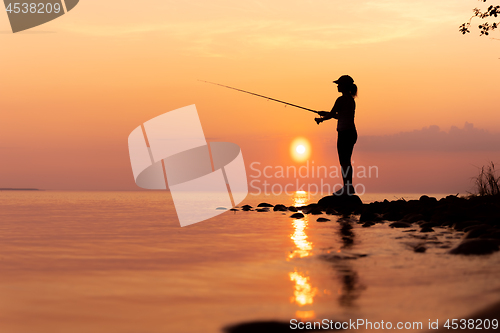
x=345, y=146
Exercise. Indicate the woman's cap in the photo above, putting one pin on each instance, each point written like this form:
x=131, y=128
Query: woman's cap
x=344, y=79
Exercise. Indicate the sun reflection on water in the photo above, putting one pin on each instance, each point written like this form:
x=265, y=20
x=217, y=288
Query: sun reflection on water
x=300, y=198
x=304, y=315
x=304, y=292
x=299, y=237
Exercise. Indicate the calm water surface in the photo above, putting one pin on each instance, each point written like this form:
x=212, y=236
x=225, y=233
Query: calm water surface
x=119, y=262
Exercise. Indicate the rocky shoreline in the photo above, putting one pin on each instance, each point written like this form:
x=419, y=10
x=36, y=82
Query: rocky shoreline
x=473, y=220
x=478, y=217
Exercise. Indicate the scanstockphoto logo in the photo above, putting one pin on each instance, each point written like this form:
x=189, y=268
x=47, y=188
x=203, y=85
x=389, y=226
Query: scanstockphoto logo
x=25, y=15
x=170, y=152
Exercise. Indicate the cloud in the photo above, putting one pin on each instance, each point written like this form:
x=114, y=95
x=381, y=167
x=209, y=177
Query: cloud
x=321, y=25
x=432, y=138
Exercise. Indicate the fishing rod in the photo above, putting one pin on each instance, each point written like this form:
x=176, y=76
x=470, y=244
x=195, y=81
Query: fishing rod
x=272, y=99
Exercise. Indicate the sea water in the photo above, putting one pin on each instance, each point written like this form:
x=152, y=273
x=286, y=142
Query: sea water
x=120, y=262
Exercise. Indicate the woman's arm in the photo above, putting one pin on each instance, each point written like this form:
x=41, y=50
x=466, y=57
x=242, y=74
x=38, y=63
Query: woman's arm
x=336, y=108
x=326, y=115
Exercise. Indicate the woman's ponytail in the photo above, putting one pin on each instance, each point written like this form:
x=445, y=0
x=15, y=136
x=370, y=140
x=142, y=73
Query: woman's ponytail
x=354, y=90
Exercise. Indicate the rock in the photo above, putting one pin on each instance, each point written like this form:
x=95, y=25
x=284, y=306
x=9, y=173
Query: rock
x=246, y=208
x=476, y=232
x=369, y=216
x=452, y=199
x=292, y=209
x=341, y=203
x=331, y=211
x=442, y=218
x=265, y=204
x=368, y=224
x=424, y=224
x=322, y=219
x=280, y=208
x=476, y=246
x=427, y=200
x=462, y=225
x=297, y=216
x=426, y=229
x=307, y=208
x=393, y=216
x=262, y=210
x=315, y=211
x=412, y=218
x=400, y=224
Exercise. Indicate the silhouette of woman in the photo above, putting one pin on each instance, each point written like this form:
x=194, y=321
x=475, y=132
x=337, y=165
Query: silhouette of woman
x=343, y=111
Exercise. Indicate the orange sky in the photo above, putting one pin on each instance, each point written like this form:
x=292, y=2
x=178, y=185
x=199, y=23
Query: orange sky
x=73, y=89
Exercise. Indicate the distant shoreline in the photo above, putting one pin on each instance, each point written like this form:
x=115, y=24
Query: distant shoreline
x=20, y=189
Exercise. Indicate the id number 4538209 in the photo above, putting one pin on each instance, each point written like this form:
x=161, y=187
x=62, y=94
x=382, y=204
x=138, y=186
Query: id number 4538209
x=478, y=324
x=33, y=8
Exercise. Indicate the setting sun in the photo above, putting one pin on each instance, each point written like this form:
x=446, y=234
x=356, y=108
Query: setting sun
x=300, y=149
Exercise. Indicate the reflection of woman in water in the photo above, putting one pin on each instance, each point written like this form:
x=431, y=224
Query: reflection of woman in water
x=343, y=111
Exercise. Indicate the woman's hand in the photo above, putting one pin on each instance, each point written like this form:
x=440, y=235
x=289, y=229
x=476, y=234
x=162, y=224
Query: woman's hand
x=324, y=113
x=319, y=120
